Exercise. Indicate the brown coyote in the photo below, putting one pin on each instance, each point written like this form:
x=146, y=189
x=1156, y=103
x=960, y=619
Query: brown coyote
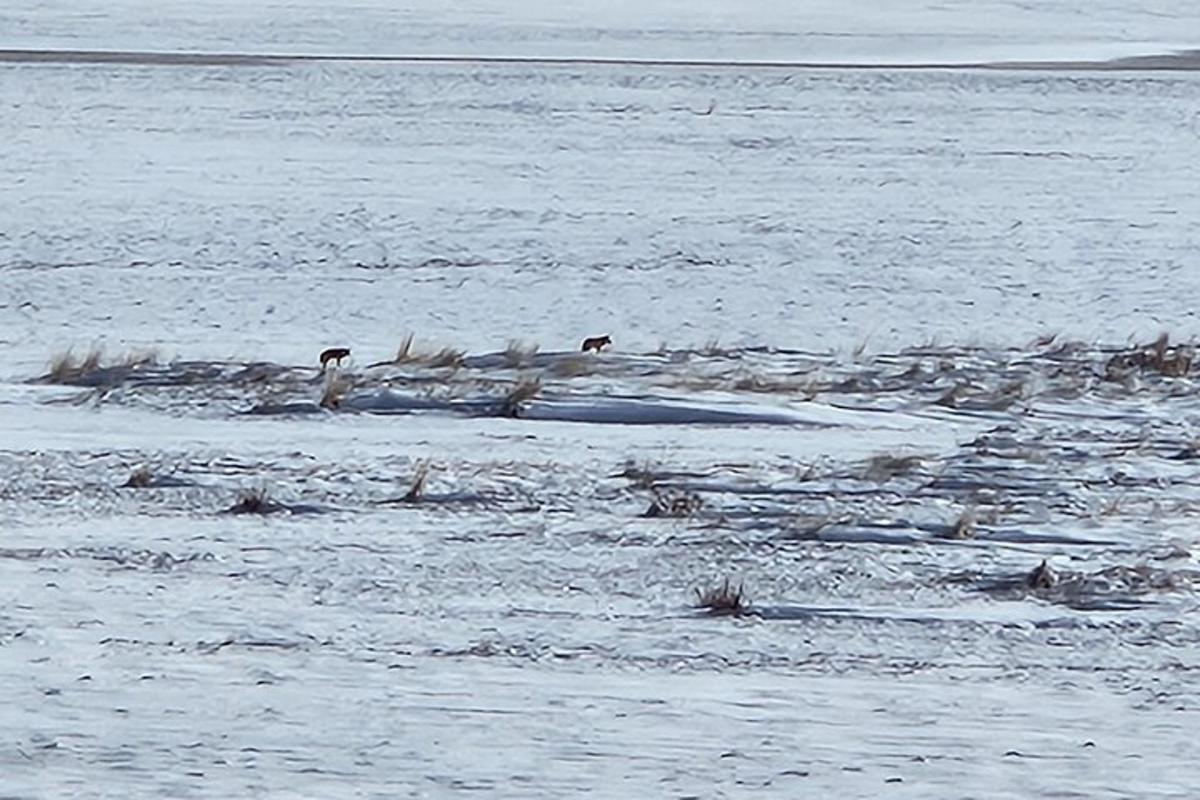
x=333, y=354
x=596, y=343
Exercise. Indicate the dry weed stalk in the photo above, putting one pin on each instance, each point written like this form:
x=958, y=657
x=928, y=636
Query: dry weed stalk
x=335, y=390
x=416, y=488
x=446, y=357
x=254, y=501
x=404, y=351
x=524, y=390
x=723, y=600
x=643, y=476
x=64, y=368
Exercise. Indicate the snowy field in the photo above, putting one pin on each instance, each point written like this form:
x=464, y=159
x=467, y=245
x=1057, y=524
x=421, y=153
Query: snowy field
x=884, y=354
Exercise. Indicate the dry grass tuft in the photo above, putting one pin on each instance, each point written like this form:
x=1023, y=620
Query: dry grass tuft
x=61, y=365
x=446, y=357
x=747, y=381
x=677, y=504
x=884, y=467
x=1159, y=357
x=139, y=358
x=1042, y=577
x=518, y=354
x=91, y=361
x=141, y=478
x=254, y=501
x=723, y=600
x=807, y=472
x=524, y=390
x=64, y=368
x=642, y=475
x=573, y=367
x=416, y=488
x=964, y=526
x=336, y=388
x=953, y=396
x=404, y=351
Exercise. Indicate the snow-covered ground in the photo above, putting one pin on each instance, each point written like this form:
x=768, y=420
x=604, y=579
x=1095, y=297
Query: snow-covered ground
x=263, y=211
x=831, y=294
x=868, y=31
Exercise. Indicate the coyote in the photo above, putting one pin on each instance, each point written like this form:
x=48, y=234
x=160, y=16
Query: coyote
x=333, y=354
x=596, y=343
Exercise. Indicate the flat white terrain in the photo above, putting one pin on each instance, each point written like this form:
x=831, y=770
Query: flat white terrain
x=882, y=347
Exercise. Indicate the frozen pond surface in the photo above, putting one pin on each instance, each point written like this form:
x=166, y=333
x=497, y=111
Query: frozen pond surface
x=883, y=348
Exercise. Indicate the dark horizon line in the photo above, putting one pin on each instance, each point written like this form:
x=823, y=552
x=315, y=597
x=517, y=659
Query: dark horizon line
x=1188, y=60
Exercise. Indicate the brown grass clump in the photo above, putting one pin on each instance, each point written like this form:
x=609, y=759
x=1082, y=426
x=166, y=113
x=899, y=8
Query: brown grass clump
x=524, y=390
x=674, y=504
x=336, y=388
x=884, y=467
x=254, y=501
x=964, y=526
x=139, y=358
x=404, y=351
x=807, y=472
x=64, y=368
x=1042, y=577
x=446, y=357
x=760, y=384
x=518, y=354
x=953, y=397
x=141, y=478
x=642, y=475
x=416, y=488
x=573, y=367
x=1160, y=357
x=723, y=600
x=91, y=361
